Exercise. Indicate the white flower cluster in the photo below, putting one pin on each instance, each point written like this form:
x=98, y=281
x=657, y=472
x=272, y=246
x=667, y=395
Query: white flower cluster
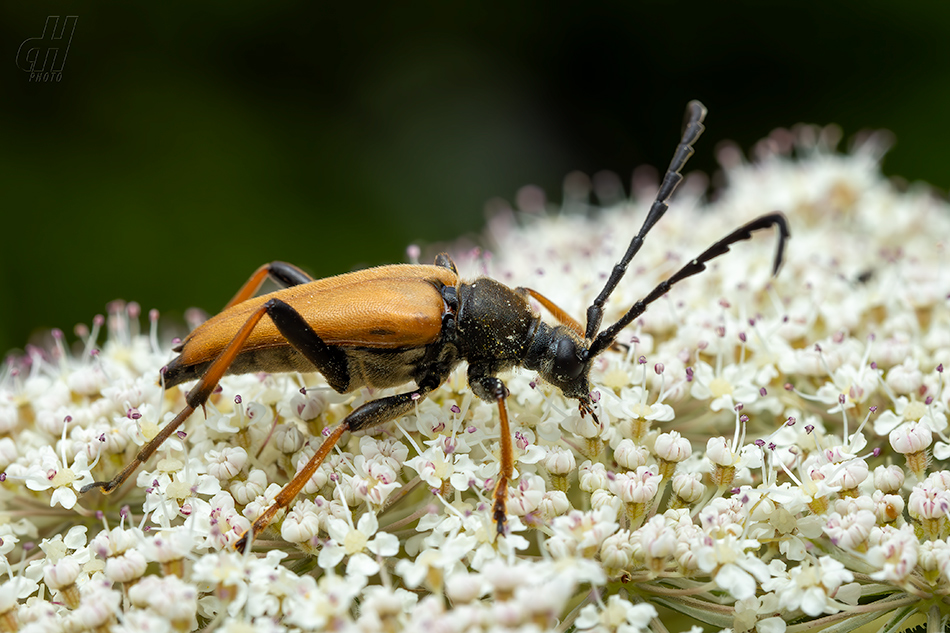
x=767, y=456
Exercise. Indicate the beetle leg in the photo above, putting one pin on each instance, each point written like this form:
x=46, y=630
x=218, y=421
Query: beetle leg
x=492, y=389
x=284, y=274
x=293, y=488
x=195, y=398
x=370, y=414
x=500, y=507
x=330, y=361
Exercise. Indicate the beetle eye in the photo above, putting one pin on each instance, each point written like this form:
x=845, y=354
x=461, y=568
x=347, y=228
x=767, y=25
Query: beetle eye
x=566, y=363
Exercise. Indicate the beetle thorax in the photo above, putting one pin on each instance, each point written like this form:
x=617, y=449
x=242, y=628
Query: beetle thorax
x=497, y=329
x=494, y=323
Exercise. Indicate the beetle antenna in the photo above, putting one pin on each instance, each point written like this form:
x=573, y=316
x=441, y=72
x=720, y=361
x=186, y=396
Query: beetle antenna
x=777, y=219
x=695, y=113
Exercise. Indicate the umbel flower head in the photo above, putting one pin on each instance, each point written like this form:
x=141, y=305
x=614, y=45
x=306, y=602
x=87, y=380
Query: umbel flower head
x=768, y=453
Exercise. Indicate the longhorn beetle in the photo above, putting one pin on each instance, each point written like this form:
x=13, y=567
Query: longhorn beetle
x=393, y=325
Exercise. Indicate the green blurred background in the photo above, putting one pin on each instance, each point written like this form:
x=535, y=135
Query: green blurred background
x=185, y=145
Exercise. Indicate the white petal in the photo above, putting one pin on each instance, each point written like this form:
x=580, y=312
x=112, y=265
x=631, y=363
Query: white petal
x=63, y=496
x=337, y=529
x=362, y=565
x=849, y=593
x=770, y=625
x=384, y=544
x=941, y=450
x=737, y=582
x=330, y=556
x=532, y=455
x=368, y=524
x=756, y=567
x=587, y=618
x=640, y=615
x=76, y=537
x=814, y=601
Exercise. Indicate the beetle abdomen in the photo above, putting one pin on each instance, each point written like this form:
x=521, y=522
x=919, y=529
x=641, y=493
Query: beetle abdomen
x=270, y=360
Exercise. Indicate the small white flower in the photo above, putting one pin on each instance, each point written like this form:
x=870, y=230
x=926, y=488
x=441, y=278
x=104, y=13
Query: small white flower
x=226, y=463
x=852, y=530
x=636, y=487
x=302, y=523
x=99, y=606
x=672, y=447
x=126, y=567
x=734, y=384
x=912, y=438
x=895, y=554
x=49, y=471
x=732, y=567
x=630, y=455
x=559, y=460
x=346, y=540
x=617, y=615
x=811, y=587
x=315, y=603
x=226, y=574
x=580, y=534
x=436, y=467
x=168, y=597
x=436, y=562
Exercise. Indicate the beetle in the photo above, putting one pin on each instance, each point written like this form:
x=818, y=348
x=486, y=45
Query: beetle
x=410, y=323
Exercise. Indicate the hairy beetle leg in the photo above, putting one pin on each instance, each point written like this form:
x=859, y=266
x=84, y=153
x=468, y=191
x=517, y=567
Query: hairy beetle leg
x=500, y=508
x=195, y=398
x=585, y=408
x=292, y=489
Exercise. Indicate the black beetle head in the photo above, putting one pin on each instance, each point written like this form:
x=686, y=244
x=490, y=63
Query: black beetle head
x=569, y=367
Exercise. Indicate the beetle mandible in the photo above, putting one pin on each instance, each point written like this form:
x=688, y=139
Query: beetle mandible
x=403, y=323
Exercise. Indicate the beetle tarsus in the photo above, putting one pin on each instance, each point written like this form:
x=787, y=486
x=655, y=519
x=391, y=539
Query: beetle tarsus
x=500, y=507
x=105, y=487
x=586, y=409
x=244, y=540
